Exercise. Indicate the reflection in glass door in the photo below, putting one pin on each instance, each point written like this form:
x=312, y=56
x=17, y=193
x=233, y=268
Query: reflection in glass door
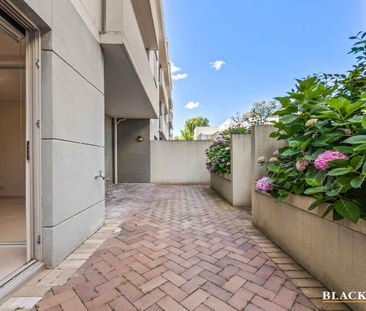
x=13, y=224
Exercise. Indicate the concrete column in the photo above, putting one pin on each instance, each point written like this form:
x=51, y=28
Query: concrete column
x=241, y=169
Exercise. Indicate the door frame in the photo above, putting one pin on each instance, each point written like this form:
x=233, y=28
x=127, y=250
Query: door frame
x=33, y=136
x=33, y=177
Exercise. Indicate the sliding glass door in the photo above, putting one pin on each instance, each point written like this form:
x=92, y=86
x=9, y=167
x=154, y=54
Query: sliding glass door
x=14, y=225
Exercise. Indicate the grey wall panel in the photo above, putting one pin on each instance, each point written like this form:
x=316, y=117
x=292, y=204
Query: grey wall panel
x=134, y=156
x=75, y=44
x=69, y=186
x=73, y=109
x=68, y=235
x=40, y=12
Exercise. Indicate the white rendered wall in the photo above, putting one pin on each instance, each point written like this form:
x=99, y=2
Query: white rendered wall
x=179, y=162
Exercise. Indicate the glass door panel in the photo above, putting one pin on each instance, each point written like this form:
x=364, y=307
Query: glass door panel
x=13, y=227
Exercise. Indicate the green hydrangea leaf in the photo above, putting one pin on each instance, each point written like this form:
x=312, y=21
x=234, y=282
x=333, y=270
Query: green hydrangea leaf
x=344, y=149
x=357, y=139
x=363, y=122
x=289, y=118
x=315, y=190
x=348, y=209
x=339, y=171
x=357, y=181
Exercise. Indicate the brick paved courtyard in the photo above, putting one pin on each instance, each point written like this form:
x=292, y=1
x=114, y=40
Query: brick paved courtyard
x=183, y=248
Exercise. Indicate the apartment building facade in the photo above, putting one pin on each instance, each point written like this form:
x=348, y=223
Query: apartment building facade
x=84, y=86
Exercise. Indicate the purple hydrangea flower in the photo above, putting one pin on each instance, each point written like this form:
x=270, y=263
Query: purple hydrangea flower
x=264, y=184
x=219, y=140
x=322, y=160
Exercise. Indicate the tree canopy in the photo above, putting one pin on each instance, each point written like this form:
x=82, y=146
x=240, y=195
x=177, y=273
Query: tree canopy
x=191, y=124
x=260, y=112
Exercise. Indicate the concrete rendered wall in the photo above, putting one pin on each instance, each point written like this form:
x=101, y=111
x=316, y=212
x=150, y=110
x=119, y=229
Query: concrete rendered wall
x=91, y=11
x=72, y=128
x=133, y=156
x=122, y=28
x=154, y=129
x=334, y=252
x=179, y=162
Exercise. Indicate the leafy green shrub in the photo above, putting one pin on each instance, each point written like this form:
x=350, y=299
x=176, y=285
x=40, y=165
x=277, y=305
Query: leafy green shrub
x=235, y=130
x=324, y=122
x=218, y=156
x=219, y=153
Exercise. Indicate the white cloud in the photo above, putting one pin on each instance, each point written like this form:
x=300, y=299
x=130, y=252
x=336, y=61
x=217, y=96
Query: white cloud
x=174, y=68
x=179, y=76
x=192, y=105
x=217, y=64
x=175, y=75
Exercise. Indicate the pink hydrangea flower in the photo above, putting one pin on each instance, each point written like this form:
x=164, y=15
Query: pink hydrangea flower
x=322, y=160
x=264, y=184
x=301, y=165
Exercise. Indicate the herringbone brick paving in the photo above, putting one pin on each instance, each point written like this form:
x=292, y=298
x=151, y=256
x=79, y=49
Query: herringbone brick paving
x=181, y=248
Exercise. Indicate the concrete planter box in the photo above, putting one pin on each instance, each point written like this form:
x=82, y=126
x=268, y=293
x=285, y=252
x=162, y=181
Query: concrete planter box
x=236, y=188
x=334, y=252
x=223, y=185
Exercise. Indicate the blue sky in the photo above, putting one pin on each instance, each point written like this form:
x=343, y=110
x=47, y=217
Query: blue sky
x=265, y=45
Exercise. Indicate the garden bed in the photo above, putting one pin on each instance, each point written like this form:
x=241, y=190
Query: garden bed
x=333, y=251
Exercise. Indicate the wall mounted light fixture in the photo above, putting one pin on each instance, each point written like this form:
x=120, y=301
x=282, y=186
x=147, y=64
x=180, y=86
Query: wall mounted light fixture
x=140, y=139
